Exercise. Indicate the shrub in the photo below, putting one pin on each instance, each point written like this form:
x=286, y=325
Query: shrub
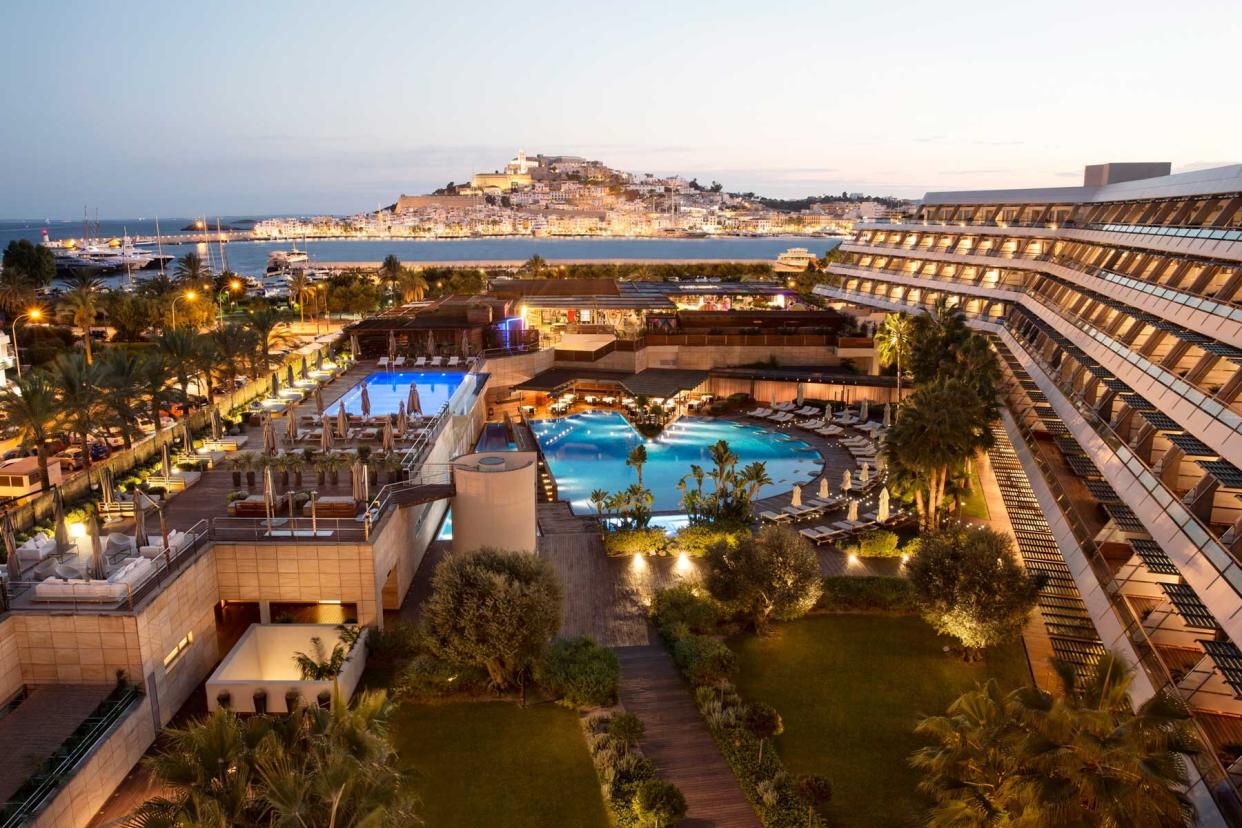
x=580, y=671
x=877, y=543
x=648, y=541
x=704, y=660
x=696, y=540
x=659, y=803
x=619, y=764
x=686, y=607
x=430, y=677
x=845, y=593
x=773, y=576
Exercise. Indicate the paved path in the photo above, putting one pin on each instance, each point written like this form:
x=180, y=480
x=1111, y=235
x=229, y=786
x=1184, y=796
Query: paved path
x=677, y=739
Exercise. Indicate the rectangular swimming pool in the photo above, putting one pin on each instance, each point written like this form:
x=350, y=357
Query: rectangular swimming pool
x=387, y=389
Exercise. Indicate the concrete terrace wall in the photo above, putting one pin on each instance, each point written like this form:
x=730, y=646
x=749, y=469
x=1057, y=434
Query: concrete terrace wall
x=77, y=802
x=728, y=356
x=10, y=660
x=299, y=572
x=77, y=649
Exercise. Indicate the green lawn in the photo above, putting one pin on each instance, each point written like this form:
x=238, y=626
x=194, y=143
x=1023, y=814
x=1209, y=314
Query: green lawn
x=850, y=689
x=496, y=764
x=974, y=505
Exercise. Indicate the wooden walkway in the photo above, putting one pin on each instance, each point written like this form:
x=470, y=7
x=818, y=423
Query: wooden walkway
x=677, y=739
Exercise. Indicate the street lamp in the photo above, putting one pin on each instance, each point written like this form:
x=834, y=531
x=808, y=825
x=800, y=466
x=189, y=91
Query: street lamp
x=188, y=296
x=33, y=313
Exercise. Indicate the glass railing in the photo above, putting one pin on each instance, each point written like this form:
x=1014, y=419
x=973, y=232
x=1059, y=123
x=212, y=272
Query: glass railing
x=1210, y=233
x=1167, y=379
x=1168, y=502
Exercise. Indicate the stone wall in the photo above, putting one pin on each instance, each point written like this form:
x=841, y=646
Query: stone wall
x=10, y=661
x=299, y=572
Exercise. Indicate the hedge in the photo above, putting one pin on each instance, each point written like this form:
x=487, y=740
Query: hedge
x=845, y=593
x=624, y=542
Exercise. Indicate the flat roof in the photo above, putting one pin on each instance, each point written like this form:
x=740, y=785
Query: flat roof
x=808, y=373
x=1213, y=181
x=653, y=382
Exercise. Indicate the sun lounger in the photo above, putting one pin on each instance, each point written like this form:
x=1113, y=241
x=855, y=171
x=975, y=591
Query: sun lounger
x=421, y=362
x=827, y=505
x=808, y=411
x=811, y=425
x=400, y=361
x=773, y=517
x=781, y=417
x=436, y=362
x=785, y=406
x=759, y=412
x=454, y=361
x=382, y=363
x=798, y=512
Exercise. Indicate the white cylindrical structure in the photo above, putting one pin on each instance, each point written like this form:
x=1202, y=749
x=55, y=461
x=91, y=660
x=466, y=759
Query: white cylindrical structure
x=495, y=501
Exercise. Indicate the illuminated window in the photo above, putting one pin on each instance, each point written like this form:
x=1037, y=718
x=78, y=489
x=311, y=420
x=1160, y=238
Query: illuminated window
x=174, y=656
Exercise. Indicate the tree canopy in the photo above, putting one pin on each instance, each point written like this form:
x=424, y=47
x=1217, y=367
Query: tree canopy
x=774, y=575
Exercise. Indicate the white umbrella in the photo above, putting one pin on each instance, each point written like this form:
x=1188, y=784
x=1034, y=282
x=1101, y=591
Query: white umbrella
x=824, y=493
x=772, y=399
x=882, y=513
x=415, y=405
x=60, y=531
x=392, y=346
x=866, y=473
x=292, y=427
x=325, y=437
x=387, y=440
x=354, y=350
x=465, y=343
x=217, y=426
x=319, y=360
x=342, y=421
x=165, y=461
x=140, y=520
x=888, y=415
x=847, y=481
x=863, y=411
x=319, y=399
x=431, y=344
x=355, y=480
x=799, y=396
x=853, y=513
x=99, y=569
x=275, y=385
x=403, y=423
x=10, y=550
x=269, y=496
x=289, y=375
x=365, y=402
x=269, y=435
x=305, y=372
x=796, y=499
x=105, y=485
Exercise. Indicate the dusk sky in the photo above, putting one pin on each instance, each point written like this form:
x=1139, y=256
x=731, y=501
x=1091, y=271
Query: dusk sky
x=137, y=109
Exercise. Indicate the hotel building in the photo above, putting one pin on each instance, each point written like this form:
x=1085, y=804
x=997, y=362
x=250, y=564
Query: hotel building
x=1115, y=309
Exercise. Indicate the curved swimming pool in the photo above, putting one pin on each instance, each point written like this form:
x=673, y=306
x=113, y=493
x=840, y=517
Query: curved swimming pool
x=587, y=451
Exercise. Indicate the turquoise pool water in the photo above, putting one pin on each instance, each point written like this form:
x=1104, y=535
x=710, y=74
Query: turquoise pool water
x=587, y=451
x=387, y=389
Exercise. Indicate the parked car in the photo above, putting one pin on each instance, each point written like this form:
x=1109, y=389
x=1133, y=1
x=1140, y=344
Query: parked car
x=72, y=459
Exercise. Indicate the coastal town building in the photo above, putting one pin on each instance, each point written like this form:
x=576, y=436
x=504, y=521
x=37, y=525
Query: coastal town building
x=1115, y=309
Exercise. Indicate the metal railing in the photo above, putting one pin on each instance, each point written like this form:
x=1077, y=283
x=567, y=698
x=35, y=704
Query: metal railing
x=167, y=561
x=60, y=767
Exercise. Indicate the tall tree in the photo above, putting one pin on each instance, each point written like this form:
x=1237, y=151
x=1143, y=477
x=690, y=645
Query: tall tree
x=1083, y=757
x=892, y=342
x=28, y=406
x=774, y=575
x=636, y=459
x=154, y=379
x=412, y=285
x=80, y=306
x=81, y=398
x=968, y=585
x=120, y=377
x=17, y=292
x=33, y=261
x=269, y=326
x=181, y=348
x=129, y=314
x=390, y=271
x=191, y=271
x=494, y=610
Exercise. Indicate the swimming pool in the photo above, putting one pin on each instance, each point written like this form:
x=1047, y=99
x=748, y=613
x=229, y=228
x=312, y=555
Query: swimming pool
x=587, y=451
x=387, y=389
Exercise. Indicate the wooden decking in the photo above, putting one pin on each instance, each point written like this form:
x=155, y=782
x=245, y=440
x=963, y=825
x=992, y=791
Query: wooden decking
x=677, y=739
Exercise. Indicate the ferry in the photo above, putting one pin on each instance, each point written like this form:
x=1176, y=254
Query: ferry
x=794, y=260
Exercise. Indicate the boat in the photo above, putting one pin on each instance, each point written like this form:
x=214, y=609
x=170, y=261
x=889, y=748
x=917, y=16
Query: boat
x=98, y=256
x=278, y=261
x=794, y=260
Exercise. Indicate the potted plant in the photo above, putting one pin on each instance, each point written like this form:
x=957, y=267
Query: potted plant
x=305, y=459
x=281, y=463
x=237, y=464
x=292, y=699
x=249, y=462
x=321, y=468
x=224, y=698
x=364, y=453
x=300, y=499
x=260, y=701
x=336, y=462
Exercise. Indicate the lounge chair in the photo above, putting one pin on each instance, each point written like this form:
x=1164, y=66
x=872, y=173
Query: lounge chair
x=382, y=363
x=454, y=361
x=400, y=361
x=436, y=362
x=798, y=512
x=773, y=517
x=785, y=406
x=759, y=412
x=421, y=362
x=808, y=411
x=781, y=417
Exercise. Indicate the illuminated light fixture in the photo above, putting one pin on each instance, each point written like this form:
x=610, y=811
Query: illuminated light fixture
x=638, y=563
x=683, y=563
x=77, y=530
x=853, y=558
x=35, y=313
x=335, y=603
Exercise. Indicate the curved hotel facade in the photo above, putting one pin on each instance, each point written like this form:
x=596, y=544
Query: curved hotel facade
x=1116, y=311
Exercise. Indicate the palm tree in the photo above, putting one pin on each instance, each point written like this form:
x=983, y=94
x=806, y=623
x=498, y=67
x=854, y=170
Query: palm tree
x=28, y=405
x=231, y=345
x=80, y=306
x=1082, y=757
x=412, y=285
x=180, y=348
x=129, y=314
x=17, y=291
x=636, y=459
x=323, y=666
x=120, y=375
x=752, y=478
x=536, y=265
x=892, y=342
x=192, y=271
x=390, y=270
x=153, y=378
x=267, y=323
x=81, y=398
x=599, y=497
x=300, y=287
